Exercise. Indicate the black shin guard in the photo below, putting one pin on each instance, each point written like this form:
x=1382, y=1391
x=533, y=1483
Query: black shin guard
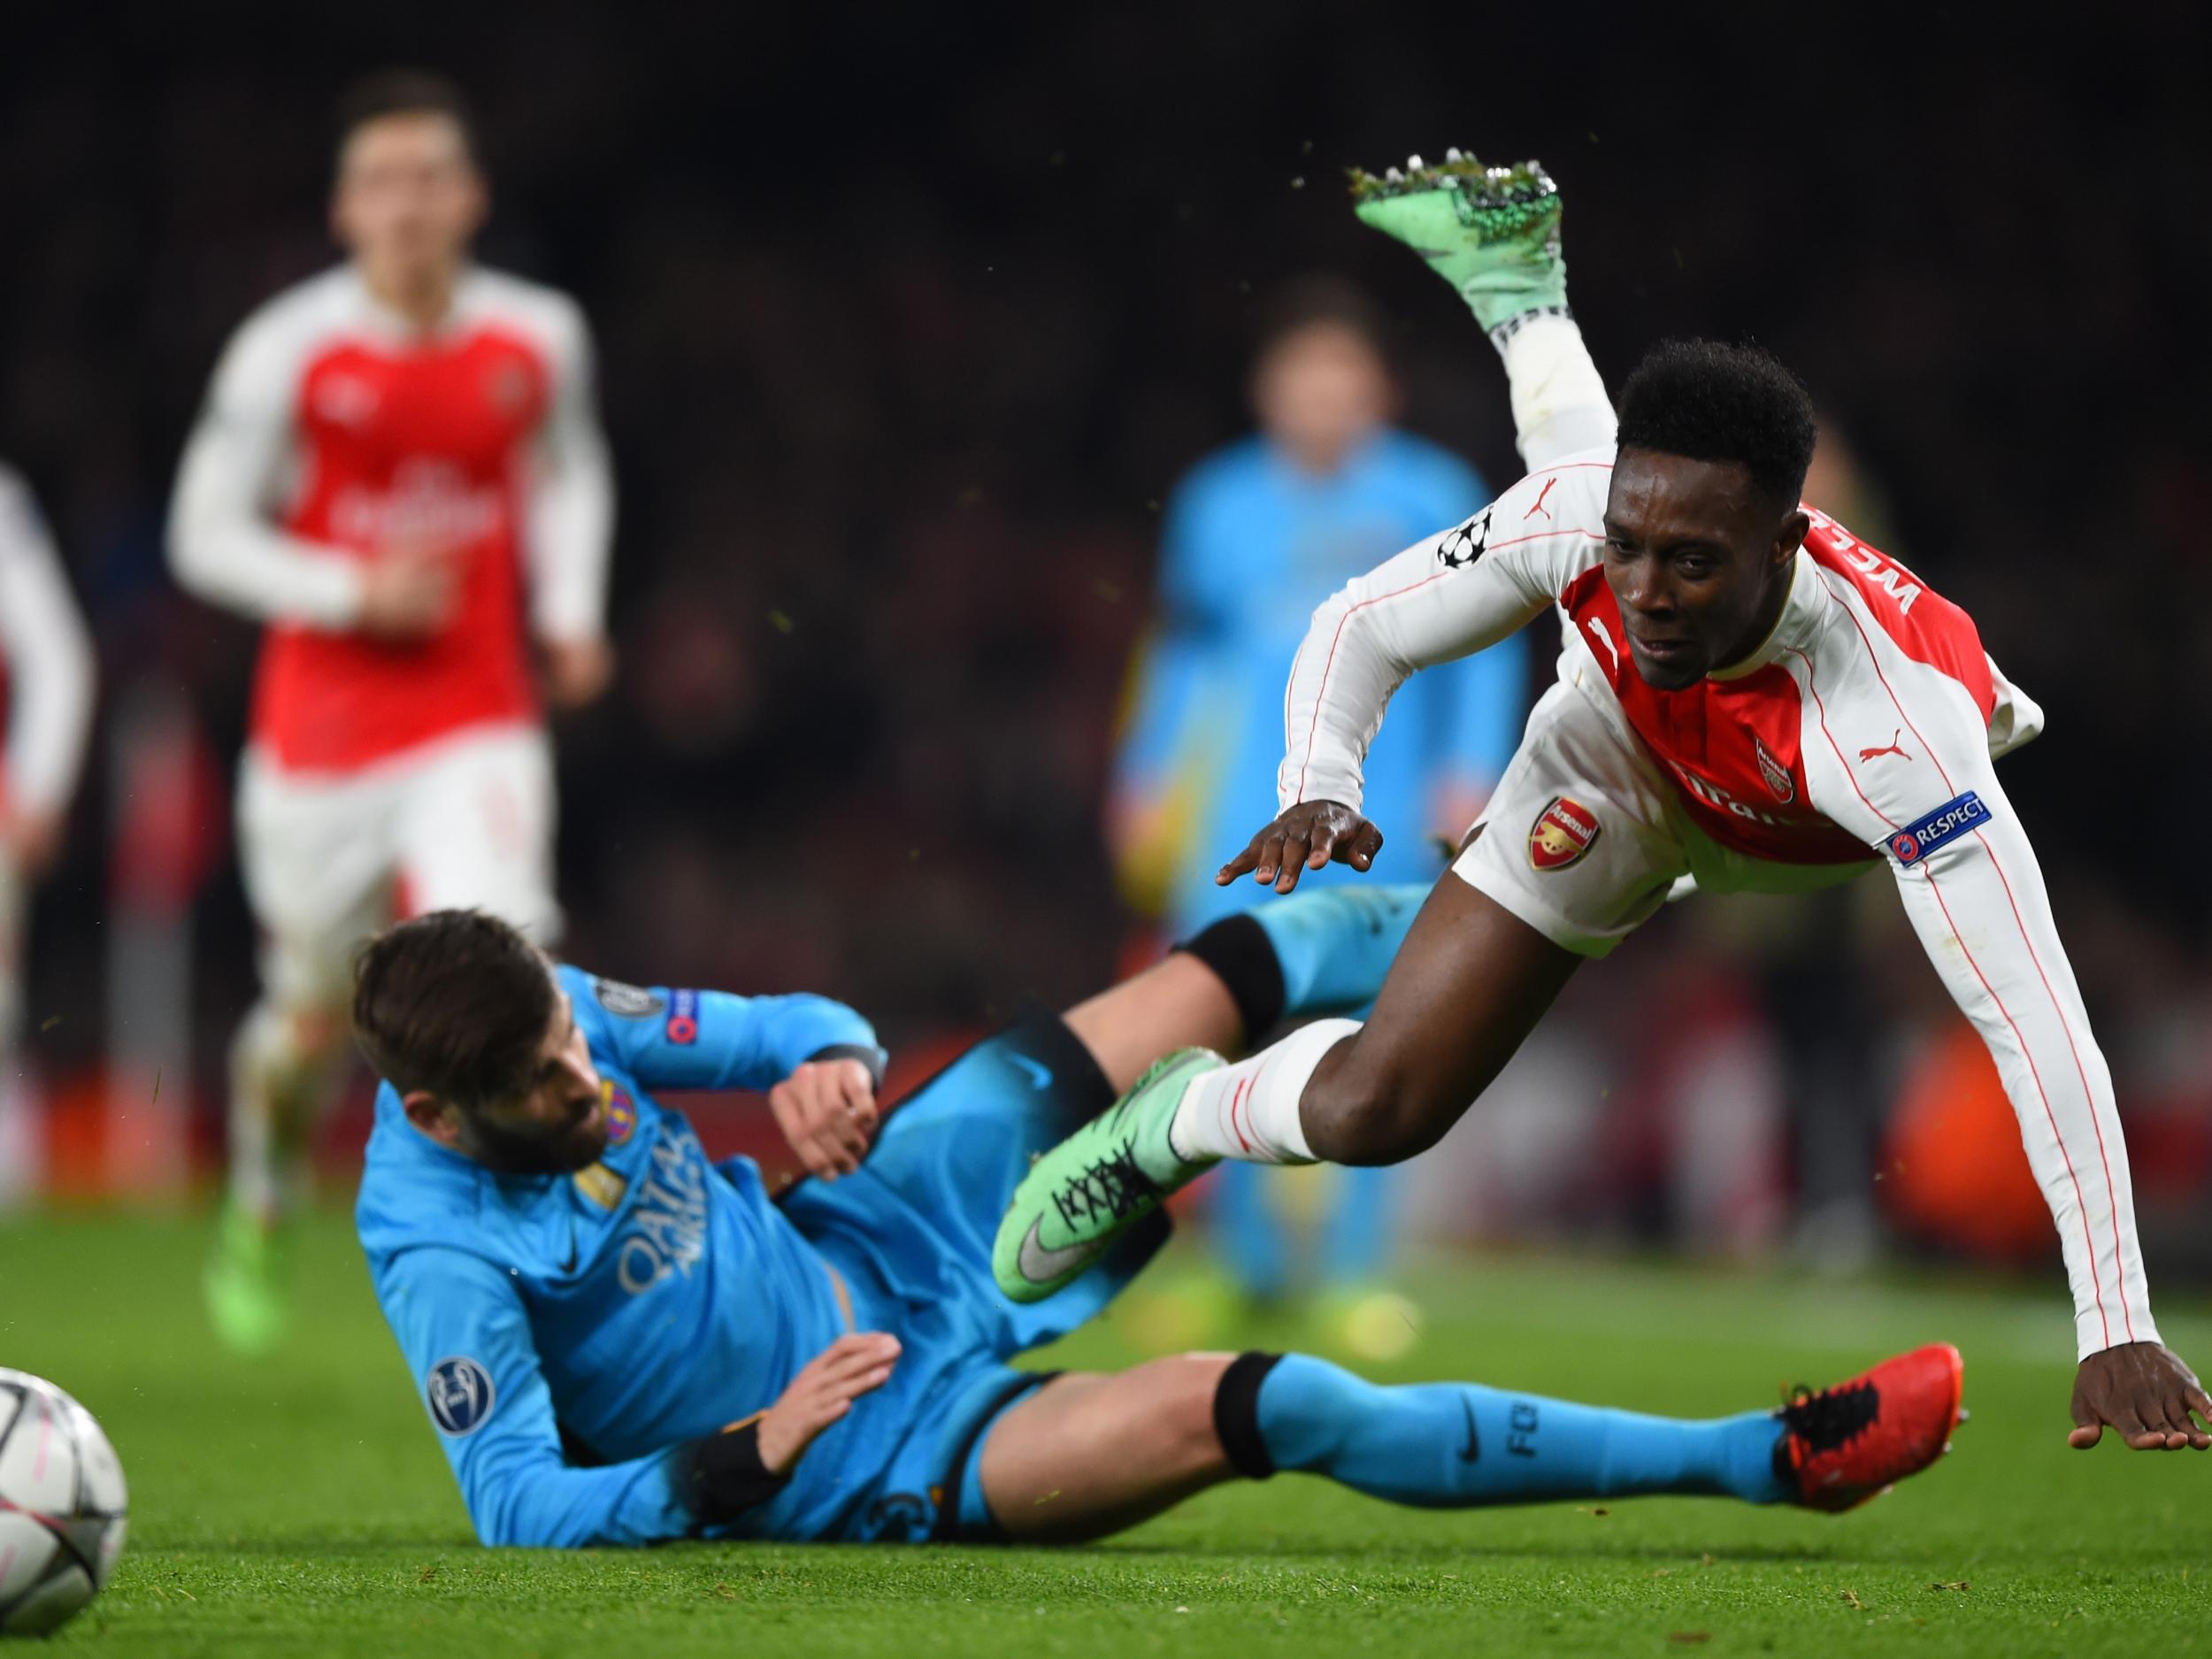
x=1236, y=1414
x=1243, y=957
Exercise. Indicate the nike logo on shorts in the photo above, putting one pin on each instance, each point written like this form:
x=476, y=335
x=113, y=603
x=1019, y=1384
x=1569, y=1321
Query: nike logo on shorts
x=1473, y=1448
x=1038, y=1077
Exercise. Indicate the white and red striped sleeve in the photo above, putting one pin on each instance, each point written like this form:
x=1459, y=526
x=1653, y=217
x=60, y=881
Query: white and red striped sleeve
x=1447, y=596
x=570, y=480
x=47, y=656
x=240, y=462
x=1898, y=736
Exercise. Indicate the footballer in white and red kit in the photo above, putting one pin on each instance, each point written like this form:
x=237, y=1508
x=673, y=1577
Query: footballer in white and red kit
x=1749, y=698
x=46, y=695
x=399, y=471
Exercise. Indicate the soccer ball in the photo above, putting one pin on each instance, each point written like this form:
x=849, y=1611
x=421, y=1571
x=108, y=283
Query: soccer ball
x=61, y=1506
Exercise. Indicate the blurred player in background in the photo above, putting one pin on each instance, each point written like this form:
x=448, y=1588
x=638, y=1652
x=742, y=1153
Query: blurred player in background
x=399, y=471
x=1254, y=533
x=46, y=689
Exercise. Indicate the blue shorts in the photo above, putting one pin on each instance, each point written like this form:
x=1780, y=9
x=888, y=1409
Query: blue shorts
x=913, y=1232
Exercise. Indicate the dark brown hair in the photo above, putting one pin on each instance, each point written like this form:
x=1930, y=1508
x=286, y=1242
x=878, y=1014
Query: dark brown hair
x=456, y=1003
x=1711, y=402
x=1304, y=301
x=405, y=92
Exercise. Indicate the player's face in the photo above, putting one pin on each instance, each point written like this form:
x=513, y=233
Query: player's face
x=554, y=1127
x=408, y=196
x=1319, y=392
x=1698, y=560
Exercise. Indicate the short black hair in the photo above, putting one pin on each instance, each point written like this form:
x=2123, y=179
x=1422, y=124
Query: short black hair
x=456, y=1003
x=1712, y=401
x=405, y=92
x=1308, y=302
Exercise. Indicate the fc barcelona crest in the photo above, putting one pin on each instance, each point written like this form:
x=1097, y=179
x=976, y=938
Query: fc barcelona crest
x=1562, y=833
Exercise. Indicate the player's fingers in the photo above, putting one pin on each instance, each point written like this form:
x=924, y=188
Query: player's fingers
x=1294, y=861
x=1367, y=842
x=2192, y=1434
x=1272, y=844
x=860, y=1093
x=2086, y=1436
x=855, y=1352
x=1246, y=860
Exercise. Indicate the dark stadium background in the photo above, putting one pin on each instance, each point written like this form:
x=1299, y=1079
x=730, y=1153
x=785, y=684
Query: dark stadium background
x=908, y=318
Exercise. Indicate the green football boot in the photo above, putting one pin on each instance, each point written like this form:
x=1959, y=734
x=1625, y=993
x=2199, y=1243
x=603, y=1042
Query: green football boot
x=244, y=1284
x=1493, y=233
x=1097, y=1183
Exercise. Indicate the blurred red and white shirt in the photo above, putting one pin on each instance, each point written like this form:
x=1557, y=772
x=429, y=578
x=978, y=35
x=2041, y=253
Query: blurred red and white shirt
x=333, y=427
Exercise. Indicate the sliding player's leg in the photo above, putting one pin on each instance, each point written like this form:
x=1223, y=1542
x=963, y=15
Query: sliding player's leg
x=1317, y=952
x=1578, y=846
x=1494, y=234
x=1089, y=1454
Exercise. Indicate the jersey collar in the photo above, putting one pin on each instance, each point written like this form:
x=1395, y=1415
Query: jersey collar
x=1791, y=629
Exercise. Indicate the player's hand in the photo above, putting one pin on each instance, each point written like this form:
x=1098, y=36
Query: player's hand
x=2144, y=1391
x=409, y=590
x=823, y=1391
x=32, y=840
x=576, y=670
x=1305, y=838
x=826, y=1110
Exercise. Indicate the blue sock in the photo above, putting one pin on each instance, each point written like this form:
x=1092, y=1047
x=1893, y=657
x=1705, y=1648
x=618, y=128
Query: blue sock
x=1335, y=943
x=1459, y=1445
x=1248, y=1231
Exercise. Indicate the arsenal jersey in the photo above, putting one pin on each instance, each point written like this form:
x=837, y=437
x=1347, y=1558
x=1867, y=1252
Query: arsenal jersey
x=1863, y=729
x=333, y=430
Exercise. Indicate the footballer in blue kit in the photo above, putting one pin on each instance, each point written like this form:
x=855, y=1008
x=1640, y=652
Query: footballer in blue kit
x=618, y=1342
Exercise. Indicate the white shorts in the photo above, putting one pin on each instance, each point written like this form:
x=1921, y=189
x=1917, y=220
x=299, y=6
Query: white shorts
x=1586, y=837
x=328, y=859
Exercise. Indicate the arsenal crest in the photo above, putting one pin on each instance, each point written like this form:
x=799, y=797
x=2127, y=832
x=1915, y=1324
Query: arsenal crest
x=1777, y=776
x=1562, y=833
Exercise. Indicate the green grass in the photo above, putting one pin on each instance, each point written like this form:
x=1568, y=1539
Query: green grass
x=300, y=1505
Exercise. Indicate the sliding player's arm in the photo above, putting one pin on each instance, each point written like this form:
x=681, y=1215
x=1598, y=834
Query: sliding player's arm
x=47, y=661
x=466, y=1337
x=817, y=1060
x=462, y=1326
x=1445, y=598
x=570, y=524
x=225, y=545
x=1975, y=896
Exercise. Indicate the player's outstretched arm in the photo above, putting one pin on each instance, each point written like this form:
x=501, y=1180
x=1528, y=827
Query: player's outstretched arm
x=1974, y=894
x=1445, y=598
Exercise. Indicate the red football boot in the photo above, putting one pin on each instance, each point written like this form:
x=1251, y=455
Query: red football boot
x=1849, y=1443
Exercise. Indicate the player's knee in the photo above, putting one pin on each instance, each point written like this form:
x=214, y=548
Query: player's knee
x=1361, y=1110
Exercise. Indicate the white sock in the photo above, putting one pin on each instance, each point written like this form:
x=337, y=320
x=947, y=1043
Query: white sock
x=1249, y=1111
x=1560, y=406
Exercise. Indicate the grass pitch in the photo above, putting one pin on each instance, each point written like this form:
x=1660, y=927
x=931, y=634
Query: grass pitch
x=300, y=1505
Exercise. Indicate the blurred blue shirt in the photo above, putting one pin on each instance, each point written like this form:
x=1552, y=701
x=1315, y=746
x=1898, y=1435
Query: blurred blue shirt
x=1251, y=545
